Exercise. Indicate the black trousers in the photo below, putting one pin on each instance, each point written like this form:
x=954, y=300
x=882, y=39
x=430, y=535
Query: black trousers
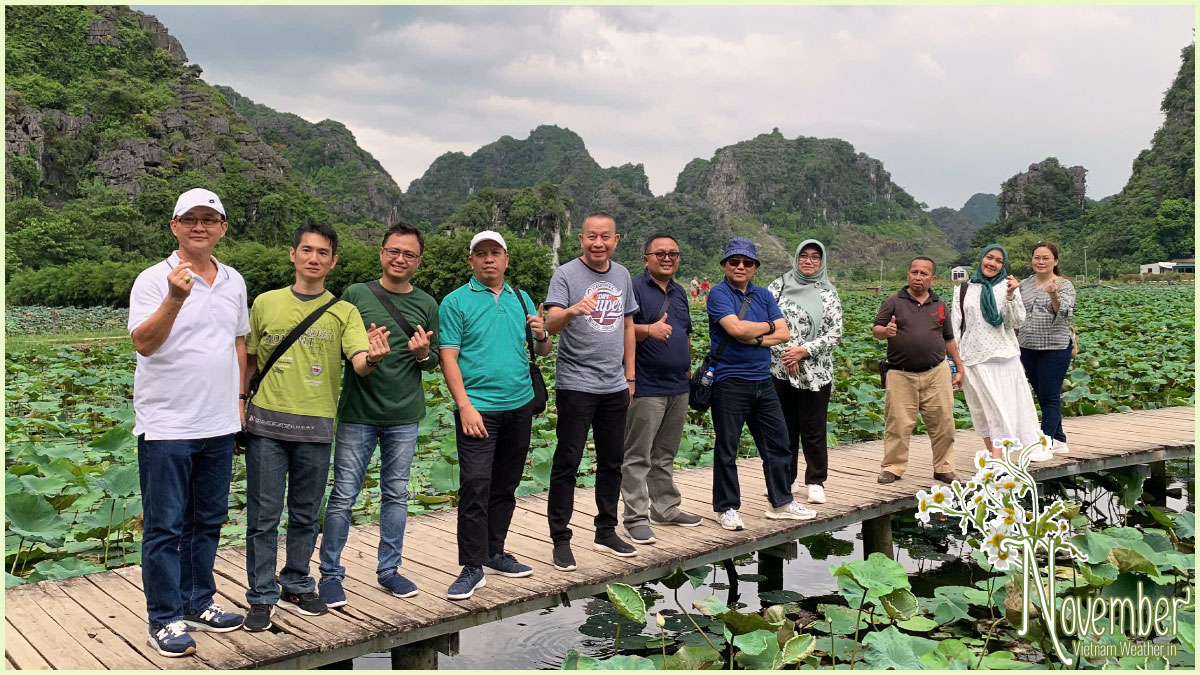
x=489, y=472
x=604, y=414
x=805, y=413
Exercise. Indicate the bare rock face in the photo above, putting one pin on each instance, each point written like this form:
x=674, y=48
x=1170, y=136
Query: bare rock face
x=161, y=39
x=103, y=31
x=132, y=158
x=726, y=189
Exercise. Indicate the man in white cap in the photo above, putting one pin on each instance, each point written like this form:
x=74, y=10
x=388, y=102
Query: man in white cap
x=485, y=327
x=382, y=410
x=188, y=318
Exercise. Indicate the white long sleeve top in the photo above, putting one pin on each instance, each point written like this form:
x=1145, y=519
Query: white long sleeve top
x=980, y=341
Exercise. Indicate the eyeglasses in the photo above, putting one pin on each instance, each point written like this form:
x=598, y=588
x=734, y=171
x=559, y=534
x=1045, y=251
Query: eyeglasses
x=810, y=256
x=665, y=255
x=208, y=223
x=742, y=262
x=394, y=253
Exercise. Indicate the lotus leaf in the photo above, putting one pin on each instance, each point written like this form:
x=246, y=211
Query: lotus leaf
x=628, y=603
x=890, y=649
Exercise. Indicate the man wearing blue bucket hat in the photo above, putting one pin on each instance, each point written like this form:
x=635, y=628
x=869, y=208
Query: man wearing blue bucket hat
x=747, y=318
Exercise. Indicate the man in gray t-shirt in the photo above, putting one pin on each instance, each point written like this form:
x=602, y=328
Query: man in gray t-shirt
x=591, y=304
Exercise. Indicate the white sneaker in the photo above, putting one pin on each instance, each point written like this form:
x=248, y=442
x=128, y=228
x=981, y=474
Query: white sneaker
x=1041, y=454
x=796, y=486
x=1060, y=446
x=730, y=520
x=791, y=511
x=816, y=494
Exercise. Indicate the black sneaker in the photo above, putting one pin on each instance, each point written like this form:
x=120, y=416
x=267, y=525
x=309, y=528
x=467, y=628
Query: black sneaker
x=464, y=586
x=563, y=560
x=506, y=565
x=308, y=604
x=259, y=618
x=614, y=544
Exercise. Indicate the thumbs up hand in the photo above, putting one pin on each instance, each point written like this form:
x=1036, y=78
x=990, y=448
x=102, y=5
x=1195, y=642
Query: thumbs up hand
x=659, y=330
x=891, y=327
x=537, y=323
x=587, y=305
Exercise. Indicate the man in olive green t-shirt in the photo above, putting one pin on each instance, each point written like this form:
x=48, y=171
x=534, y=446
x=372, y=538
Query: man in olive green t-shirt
x=382, y=410
x=289, y=421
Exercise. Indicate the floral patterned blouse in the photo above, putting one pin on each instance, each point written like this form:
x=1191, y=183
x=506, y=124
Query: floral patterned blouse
x=816, y=371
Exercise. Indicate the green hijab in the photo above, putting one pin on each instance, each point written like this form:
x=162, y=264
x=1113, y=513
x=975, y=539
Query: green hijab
x=805, y=291
x=987, y=297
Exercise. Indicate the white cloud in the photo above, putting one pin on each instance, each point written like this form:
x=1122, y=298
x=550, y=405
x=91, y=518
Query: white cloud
x=953, y=100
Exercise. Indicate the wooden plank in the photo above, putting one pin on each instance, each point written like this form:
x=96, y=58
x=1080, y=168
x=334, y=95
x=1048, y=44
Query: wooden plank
x=19, y=652
x=102, y=643
x=61, y=650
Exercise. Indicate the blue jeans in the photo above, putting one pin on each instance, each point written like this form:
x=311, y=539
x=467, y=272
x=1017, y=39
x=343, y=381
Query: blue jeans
x=1045, y=369
x=351, y=455
x=754, y=403
x=185, y=498
x=273, y=466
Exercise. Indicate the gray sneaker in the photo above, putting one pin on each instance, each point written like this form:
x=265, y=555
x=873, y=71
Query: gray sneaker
x=640, y=534
x=681, y=519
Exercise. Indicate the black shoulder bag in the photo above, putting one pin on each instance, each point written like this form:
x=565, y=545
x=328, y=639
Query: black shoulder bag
x=283, y=346
x=390, y=307
x=535, y=373
x=699, y=391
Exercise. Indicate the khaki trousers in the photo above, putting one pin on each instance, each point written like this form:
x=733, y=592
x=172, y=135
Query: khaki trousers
x=653, y=427
x=930, y=393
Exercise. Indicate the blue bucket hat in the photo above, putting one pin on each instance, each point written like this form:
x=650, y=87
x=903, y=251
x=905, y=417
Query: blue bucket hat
x=740, y=246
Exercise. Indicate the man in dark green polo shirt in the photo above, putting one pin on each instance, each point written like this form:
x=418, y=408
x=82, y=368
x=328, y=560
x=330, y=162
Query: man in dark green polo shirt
x=486, y=364
x=383, y=409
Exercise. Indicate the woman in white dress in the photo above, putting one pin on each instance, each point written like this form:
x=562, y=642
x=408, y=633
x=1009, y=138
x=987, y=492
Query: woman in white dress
x=985, y=315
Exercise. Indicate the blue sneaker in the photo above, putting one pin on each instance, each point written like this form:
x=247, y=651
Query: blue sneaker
x=330, y=590
x=464, y=586
x=172, y=640
x=397, y=585
x=214, y=619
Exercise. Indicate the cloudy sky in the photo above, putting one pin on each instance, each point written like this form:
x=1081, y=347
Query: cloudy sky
x=952, y=100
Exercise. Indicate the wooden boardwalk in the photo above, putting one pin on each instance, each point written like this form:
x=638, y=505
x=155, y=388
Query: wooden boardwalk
x=98, y=621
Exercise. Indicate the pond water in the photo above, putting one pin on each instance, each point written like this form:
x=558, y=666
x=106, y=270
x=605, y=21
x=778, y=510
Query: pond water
x=936, y=555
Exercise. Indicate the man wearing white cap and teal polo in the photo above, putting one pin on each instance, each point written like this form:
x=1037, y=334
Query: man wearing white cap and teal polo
x=188, y=318
x=485, y=327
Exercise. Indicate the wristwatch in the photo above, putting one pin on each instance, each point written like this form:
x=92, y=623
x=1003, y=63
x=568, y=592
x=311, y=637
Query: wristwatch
x=372, y=365
x=545, y=336
x=770, y=328
x=425, y=359
x=759, y=340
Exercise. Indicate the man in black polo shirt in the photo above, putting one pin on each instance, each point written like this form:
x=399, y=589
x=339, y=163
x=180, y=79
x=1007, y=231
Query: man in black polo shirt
x=654, y=423
x=914, y=322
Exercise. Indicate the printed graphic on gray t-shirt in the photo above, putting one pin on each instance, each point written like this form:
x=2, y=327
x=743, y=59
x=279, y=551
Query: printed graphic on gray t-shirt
x=591, y=349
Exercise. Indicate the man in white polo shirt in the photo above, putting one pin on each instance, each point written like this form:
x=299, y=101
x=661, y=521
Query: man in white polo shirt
x=188, y=318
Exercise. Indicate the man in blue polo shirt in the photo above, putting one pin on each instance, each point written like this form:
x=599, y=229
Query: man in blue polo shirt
x=486, y=365
x=742, y=390
x=654, y=423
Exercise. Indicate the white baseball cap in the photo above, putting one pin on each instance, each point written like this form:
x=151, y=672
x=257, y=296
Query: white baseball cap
x=489, y=235
x=198, y=197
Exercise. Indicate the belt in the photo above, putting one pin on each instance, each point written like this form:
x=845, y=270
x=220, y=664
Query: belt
x=915, y=370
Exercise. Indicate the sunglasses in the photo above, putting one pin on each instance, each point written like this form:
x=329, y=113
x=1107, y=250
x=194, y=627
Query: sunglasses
x=742, y=262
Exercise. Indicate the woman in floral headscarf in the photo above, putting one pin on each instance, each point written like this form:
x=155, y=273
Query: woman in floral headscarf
x=985, y=315
x=802, y=368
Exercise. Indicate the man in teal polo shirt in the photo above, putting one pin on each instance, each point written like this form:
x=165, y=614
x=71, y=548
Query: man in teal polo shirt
x=486, y=365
